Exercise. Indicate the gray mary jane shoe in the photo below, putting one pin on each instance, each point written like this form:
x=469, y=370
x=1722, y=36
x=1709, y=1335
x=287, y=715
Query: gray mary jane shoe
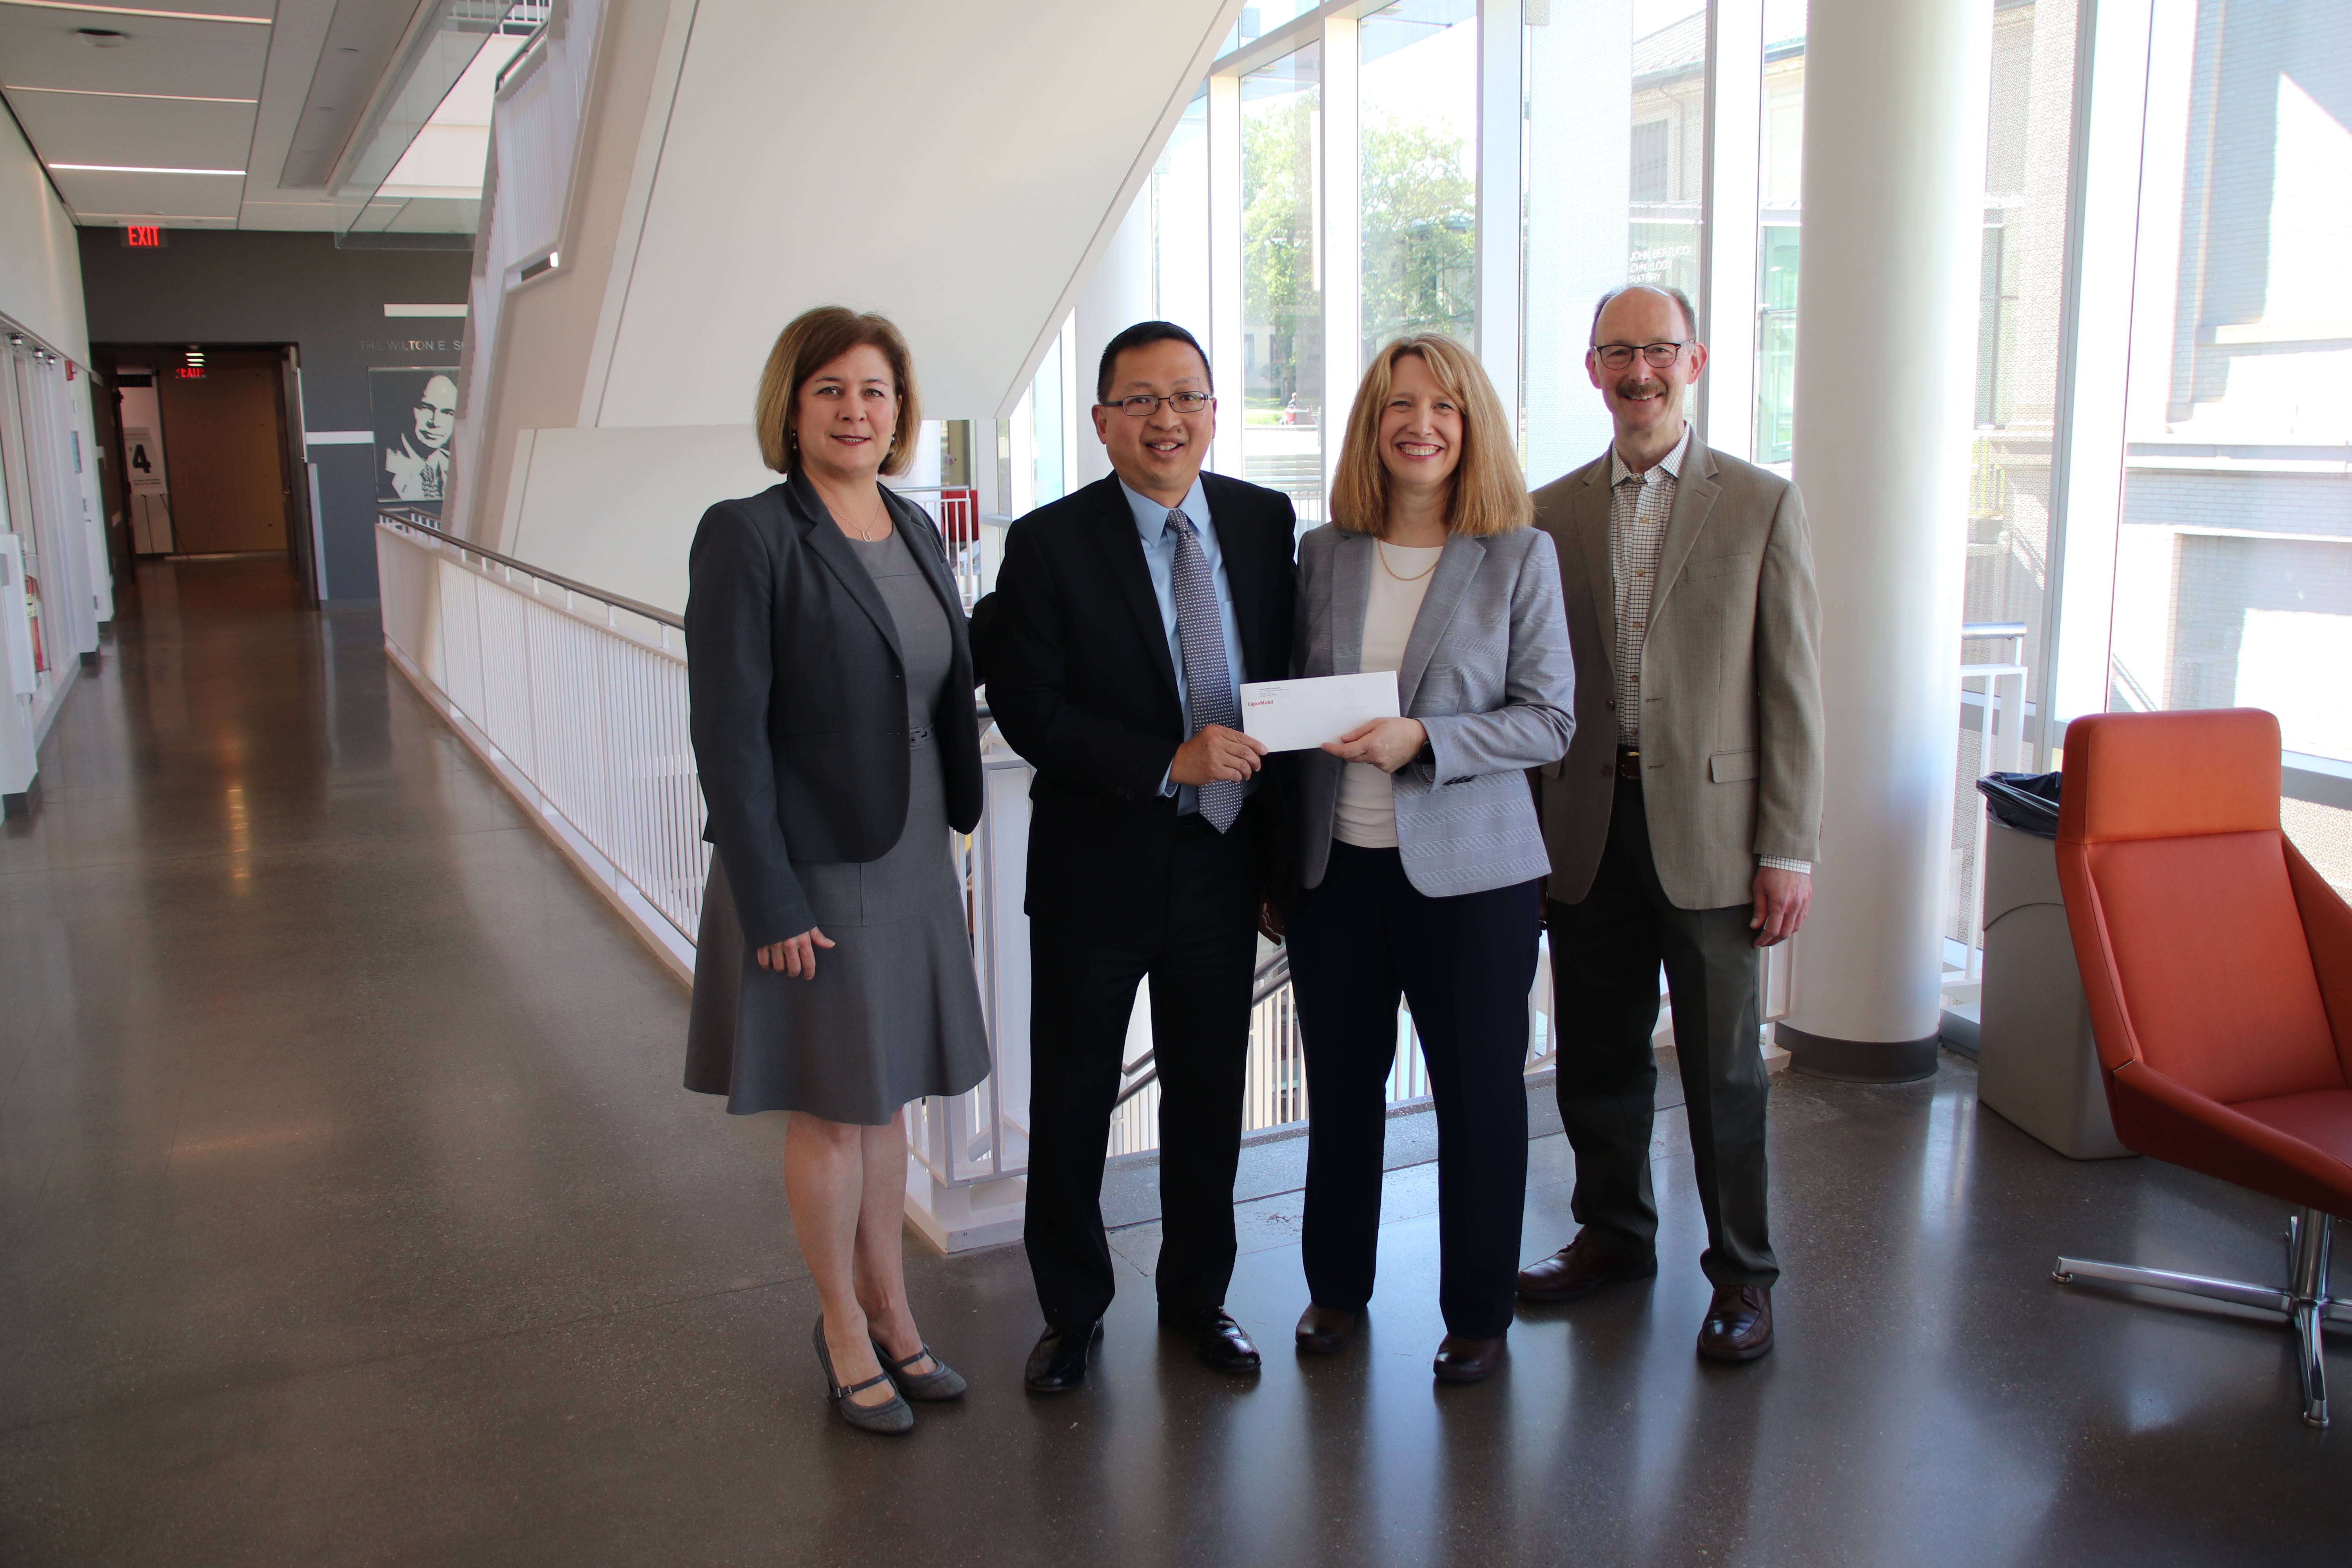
x=892, y=1419
x=942, y=1382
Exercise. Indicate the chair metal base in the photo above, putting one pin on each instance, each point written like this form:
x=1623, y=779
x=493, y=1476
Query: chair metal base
x=2304, y=1304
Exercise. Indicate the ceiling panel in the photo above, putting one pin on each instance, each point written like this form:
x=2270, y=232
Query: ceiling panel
x=278, y=213
x=161, y=55
x=164, y=197
x=84, y=128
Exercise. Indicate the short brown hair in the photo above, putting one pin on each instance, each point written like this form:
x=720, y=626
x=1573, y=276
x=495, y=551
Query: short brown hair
x=813, y=340
x=1490, y=496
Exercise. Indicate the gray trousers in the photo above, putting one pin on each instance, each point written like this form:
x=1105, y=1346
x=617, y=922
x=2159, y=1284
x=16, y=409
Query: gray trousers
x=1605, y=952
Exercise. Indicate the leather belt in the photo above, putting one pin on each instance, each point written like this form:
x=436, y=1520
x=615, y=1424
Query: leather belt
x=1629, y=762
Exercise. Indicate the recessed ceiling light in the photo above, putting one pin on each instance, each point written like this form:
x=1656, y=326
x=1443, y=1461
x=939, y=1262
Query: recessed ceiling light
x=127, y=169
x=139, y=11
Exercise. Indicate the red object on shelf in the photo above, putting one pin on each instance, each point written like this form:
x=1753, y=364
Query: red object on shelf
x=959, y=515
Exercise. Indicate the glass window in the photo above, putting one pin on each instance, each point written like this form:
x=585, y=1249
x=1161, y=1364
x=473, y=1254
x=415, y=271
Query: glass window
x=1282, y=278
x=1180, y=223
x=1049, y=419
x=2020, y=311
x=2233, y=582
x=1781, y=165
x=1615, y=150
x=1256, y=21
x=1418, y=168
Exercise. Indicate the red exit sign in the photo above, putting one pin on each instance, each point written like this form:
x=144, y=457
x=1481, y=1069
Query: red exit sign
x=189, y=373
x=142, y=237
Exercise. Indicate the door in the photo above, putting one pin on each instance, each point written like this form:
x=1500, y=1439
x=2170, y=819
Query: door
x=227, y=441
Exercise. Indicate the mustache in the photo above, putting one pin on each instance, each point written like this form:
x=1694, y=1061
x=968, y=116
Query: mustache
x=1640, y=388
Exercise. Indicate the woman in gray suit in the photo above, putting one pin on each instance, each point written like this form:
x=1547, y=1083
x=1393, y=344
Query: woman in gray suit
x=830, y=685
x=1420, y=850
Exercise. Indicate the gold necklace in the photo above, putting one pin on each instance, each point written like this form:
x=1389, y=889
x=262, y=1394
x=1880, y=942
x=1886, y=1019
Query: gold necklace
x=1383, y=549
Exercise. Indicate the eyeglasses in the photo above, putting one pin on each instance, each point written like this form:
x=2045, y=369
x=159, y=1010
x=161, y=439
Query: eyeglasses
x=1617, y=356
x=1142, y=404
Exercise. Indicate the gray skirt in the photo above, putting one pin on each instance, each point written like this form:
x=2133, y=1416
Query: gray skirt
x=894, y=1012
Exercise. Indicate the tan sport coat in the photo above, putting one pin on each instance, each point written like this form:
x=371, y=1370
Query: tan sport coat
x=1731, y=694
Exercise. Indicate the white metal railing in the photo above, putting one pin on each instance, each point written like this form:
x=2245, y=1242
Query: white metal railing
x=577, y=698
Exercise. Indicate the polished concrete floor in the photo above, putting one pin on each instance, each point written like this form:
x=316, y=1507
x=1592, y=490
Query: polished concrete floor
x=351, y=1213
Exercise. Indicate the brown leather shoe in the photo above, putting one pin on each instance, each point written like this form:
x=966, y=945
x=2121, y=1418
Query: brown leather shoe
x=1739, y=1324
x=1324, y=1330
x=1466, y=1360
x=1579, y=1270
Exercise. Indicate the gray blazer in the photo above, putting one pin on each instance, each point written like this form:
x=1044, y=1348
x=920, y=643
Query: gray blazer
x=1731, y=694
x=1486, y=672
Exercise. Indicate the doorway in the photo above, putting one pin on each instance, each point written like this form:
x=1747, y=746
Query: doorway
x=208, y=452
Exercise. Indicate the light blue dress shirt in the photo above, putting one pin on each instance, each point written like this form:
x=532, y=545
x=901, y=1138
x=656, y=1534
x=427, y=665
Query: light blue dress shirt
x=1159, y=556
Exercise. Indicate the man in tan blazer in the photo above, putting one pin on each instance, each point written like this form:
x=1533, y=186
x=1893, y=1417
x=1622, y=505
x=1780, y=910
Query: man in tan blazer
x=1684, y=821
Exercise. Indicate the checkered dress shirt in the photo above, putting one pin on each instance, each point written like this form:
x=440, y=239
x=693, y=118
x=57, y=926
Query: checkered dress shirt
x=1638, y=506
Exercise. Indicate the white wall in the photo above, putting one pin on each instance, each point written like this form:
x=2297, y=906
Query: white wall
x=40, y=267
x=957, y=167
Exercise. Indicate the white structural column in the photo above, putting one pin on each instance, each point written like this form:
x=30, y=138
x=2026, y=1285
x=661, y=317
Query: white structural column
x=1895, y=116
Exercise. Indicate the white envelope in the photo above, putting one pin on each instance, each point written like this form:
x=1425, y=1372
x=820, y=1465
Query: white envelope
x=1300, y=715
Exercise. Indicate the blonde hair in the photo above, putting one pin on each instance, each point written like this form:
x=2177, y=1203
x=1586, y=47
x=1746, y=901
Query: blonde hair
x=1489, y=494
x=813, y=340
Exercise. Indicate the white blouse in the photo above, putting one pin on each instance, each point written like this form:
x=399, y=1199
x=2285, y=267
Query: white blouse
x=1366, y=817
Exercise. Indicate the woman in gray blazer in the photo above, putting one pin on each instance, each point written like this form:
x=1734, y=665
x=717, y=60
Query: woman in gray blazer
x=1420, y=850
x=831, y=680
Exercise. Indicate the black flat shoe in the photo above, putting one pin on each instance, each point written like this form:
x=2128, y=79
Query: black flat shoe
x=1466, y=1360
x=1326, y=1331
x=1216, y=1338
x=1057, y=1362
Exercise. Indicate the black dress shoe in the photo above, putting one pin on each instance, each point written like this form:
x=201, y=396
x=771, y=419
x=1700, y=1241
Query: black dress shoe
x=1466, y=1360
x=1059, y=1362
x=1579, y=1270
x=1324, y=1330
x=1218, y=1339
x=1739, y=1324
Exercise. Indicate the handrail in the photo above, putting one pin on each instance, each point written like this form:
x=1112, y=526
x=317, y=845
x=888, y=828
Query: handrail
x=1271, y=976
x=409, y=517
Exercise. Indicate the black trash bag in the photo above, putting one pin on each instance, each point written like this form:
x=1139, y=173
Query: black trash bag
x=2027, y=802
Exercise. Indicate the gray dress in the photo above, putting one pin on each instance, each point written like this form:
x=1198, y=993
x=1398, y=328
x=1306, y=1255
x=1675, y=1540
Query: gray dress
x=894, y=1012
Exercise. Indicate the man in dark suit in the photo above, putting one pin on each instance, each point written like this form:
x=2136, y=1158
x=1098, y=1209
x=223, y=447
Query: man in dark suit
x=1125, y=618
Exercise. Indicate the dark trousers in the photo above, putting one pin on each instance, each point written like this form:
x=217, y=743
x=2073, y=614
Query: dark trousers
x=1605, y=953
x=1195, y=934
x=1464, y=965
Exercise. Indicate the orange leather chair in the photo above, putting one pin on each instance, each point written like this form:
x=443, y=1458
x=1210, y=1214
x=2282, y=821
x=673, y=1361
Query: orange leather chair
x=2217, y=966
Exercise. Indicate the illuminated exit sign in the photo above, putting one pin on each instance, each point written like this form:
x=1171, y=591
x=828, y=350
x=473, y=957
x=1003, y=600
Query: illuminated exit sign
x=189, y=373
x=142, y=237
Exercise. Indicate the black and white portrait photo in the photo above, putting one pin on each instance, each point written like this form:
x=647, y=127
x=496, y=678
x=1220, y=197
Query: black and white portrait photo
x=416, y=412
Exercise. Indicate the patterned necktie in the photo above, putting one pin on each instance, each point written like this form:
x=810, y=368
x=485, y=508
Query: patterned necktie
x=1207, y=679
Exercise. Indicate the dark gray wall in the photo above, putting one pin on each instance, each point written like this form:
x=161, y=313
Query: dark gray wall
x=264, y=287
